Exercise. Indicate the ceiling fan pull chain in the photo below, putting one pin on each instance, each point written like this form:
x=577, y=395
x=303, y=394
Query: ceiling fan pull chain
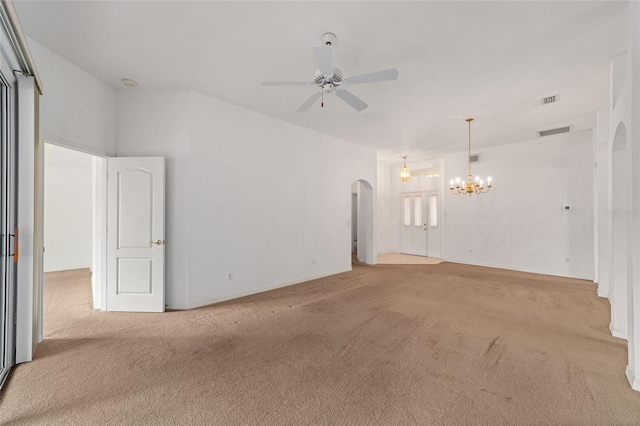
x=322, y=103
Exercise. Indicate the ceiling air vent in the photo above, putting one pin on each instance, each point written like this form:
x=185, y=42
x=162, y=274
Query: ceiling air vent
x=557, y=131
x=550, y=100
x=473, y=158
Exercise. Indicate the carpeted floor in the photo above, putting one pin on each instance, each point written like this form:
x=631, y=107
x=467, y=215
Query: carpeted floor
x=383, y=345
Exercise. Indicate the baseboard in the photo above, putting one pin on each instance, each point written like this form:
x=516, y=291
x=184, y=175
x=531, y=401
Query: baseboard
x=633, y=381
x=620, y=334
x=513, y=268
x=255, y=291
x=602, y=293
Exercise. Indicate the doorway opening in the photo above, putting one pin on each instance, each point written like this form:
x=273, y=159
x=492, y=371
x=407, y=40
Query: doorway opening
x=362, y=241
x=69, y=212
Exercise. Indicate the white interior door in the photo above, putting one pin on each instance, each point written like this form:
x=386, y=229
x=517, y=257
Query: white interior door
x=135, y=234
x=413, y=223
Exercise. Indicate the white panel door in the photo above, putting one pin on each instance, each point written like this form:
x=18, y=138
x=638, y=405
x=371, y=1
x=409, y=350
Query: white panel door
x=413, y=223
x=135, y=234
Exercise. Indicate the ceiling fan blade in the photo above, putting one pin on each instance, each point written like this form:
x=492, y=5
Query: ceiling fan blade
x=372, y=77
x=324, y=58
x=351, y=99
x=305, y=106
x=285, y=83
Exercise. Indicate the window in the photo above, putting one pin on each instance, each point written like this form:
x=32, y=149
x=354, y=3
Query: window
x=417, y=216
x=433, y=211
x=406, y=208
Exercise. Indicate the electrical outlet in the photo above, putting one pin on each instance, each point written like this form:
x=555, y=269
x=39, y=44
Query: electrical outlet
x=567, y=259
x=229, y=275
x=313, y=261
x=470, y=251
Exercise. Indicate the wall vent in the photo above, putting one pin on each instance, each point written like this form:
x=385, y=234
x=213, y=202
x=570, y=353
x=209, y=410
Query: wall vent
x=550, y=99
x=473, y=158
x=557, y=131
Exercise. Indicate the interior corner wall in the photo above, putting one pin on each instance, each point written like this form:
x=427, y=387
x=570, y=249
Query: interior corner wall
x=385, y=244
x=67, y=206
x=269, y=201
x=521, y=224
x=77, y=110
x=633, y=72
x=602, y=206
x=155, y=123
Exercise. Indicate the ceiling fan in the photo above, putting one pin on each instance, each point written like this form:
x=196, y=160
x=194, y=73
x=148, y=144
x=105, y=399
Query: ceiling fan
x=328, y=78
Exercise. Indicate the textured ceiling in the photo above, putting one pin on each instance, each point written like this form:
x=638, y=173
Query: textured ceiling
x=489, y=60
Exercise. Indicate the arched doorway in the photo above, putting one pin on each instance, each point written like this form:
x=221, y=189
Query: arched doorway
x=620, y=209
x=362, y=222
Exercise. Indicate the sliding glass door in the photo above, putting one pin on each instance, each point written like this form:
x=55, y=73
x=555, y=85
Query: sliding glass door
x=8, y=243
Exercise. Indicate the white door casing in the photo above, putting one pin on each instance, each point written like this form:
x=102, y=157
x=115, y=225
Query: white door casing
x=135, y=234
x=433, y=224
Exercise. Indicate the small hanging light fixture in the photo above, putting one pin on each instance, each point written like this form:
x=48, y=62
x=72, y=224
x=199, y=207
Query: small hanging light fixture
x=459, y=187
x=405, y=174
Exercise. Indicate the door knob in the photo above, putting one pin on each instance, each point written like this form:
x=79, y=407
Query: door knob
x=158, y=242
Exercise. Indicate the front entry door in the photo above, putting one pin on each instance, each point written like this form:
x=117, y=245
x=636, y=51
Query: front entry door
x=135, y=234
x=413, y=223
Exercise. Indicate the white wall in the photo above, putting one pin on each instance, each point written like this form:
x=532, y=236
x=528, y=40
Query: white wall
x=384, y=206
x=67, y=209
x=246, y=194
x=156, y=123
x=601, y=222
x=521, y=223
x=265, y=198
x=76, y=109
x=633, y=75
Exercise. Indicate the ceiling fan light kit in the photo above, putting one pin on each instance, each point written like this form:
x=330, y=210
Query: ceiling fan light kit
x=328, y=79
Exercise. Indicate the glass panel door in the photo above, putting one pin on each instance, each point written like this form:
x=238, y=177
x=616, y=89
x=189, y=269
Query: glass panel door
x=7, y=237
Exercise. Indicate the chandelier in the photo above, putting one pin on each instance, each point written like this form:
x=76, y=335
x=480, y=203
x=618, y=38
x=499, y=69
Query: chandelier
x=459, y=187
x=404, y=173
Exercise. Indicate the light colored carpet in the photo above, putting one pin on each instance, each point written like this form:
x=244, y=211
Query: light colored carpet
x=406, y=259
x=382, y=345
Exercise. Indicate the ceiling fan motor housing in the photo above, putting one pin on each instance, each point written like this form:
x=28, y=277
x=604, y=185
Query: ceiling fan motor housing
x=329, y=38
x=334, y=79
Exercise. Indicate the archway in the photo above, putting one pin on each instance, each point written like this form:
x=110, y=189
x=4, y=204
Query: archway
x=362, y=221
x=619, y=213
